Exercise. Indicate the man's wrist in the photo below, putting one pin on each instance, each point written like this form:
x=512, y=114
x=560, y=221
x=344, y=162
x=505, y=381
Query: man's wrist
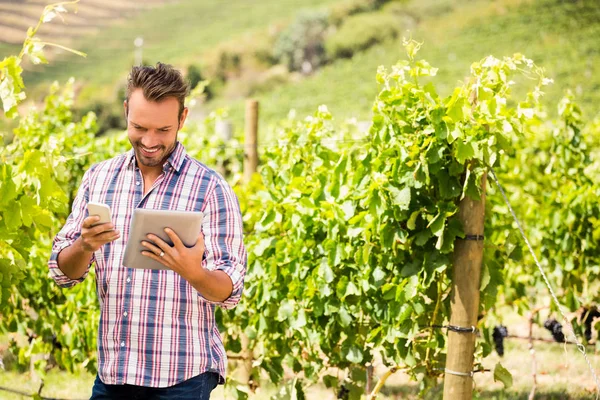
x=198, y=276
x=80, y=246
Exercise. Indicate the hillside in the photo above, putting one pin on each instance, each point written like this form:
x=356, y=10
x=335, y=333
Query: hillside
x=559, y=35
x=175, y=32
x=85, y=17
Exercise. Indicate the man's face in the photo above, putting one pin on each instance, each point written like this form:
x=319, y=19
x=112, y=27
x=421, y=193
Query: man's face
x=152, y=127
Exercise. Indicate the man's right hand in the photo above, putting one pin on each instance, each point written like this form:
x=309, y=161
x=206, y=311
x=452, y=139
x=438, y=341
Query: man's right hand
x=74, y=260
x=95, y=236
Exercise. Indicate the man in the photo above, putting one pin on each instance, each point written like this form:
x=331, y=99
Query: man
x=157, y=336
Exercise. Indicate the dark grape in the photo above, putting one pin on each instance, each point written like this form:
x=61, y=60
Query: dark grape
x=500, y=332
x=343, y=393
x=589, y=314
x=555, y=329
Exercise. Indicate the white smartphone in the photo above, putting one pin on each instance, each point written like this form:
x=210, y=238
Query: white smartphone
x=101, y=210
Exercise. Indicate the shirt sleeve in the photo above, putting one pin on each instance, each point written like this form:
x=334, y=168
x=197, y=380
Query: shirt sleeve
x=69, y=233
x=223, y=240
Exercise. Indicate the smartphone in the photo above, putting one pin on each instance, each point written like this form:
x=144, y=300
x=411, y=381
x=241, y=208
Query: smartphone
x=101, y=210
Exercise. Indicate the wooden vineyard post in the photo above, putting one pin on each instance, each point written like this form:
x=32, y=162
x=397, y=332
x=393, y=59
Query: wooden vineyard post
x=250, y=167
x=224, y=129
x=370, y=376
x=251, y=140
x=468, y=255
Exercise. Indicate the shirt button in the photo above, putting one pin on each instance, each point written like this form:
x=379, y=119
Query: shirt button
x=125, y=314
x=128, y=279
x=122, y=344
x=137, y=183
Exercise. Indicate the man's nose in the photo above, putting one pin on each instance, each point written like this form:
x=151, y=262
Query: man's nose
x=151, y=140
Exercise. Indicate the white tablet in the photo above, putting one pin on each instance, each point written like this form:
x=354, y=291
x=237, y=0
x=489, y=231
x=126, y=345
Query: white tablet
x=186, y=224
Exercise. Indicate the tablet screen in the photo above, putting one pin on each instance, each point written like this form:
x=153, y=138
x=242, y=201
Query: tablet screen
x=186, y=224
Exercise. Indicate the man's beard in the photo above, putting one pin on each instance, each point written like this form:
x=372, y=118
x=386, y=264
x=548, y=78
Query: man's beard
x=153, y=161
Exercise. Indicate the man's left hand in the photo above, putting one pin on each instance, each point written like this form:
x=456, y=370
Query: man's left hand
x=185, y=261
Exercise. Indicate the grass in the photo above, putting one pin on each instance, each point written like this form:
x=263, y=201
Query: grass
x=558, y=35
x=175, y=33
x=562, y=374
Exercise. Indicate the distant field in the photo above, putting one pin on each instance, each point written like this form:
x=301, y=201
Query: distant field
x=85, y=17
x=558, y=35
x=174, y=33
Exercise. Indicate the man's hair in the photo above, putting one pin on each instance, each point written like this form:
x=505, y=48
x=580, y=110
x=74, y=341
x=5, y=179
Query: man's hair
x=158, y=83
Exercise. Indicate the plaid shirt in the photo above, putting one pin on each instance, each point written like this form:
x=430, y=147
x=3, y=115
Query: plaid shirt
x=155, y=329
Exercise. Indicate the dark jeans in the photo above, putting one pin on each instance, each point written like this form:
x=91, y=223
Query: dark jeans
x=196, y=388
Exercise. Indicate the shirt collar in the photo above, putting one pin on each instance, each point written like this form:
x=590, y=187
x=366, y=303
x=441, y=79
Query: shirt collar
x=177, y=157
x=175, y=160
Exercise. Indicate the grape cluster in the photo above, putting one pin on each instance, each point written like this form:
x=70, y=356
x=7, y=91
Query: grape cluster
x=343, y=393
x=589, y=314
x=500, y=332
x=556, y=329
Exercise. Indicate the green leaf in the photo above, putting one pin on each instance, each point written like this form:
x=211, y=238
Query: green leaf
x=437, y=224
x=405, y=312
x=44, y=218
x=267, y=219
x=330, y=381
x=262, y=245
x=455, y=105
x=501, y=374
x=345, y=318
x=455, y=134
x=299, y=321
x=464, y=151
x=325, y=271
x=422, y=237
x=351, y=289
x=411, y=268
x=411, y=223
x=355, y=355
x=401, y=198
x=12, y=216
x=11, y=85
x=28, y=210
x=286, y=310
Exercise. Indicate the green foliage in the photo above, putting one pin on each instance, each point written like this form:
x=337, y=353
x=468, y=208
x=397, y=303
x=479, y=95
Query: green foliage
x=194, y=76
x=501, y=374
x=456, y=33
x=41, y=170
x=350, y=235
x=203, y=143
x=351, y=252
x=360, y=32
x=554, y=189
x=11, y=82
x=302, y=43
x=342, y=10
x=109, y=116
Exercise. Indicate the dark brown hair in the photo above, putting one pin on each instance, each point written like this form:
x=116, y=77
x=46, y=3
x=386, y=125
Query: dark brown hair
x=158, y=83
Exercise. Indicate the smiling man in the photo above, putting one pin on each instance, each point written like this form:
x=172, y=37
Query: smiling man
x=157, y=337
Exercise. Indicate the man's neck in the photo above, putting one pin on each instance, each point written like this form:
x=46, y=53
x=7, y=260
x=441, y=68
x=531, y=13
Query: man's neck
x=150, y=173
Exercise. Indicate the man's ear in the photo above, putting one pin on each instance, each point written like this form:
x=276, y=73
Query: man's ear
x=125, y=109
x=184, y=114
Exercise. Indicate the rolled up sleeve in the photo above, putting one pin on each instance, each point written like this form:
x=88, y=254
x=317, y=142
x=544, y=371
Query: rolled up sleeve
x=68, y=234
x=223, y=238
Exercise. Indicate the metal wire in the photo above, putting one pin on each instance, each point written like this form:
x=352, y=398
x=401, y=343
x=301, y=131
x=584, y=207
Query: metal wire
x=457, y=329
x=469, y=374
